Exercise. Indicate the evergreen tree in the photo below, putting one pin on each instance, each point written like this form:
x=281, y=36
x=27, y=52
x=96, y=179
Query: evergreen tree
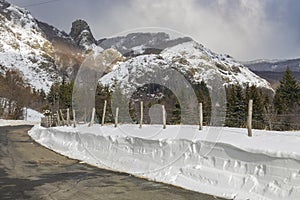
x=256, y=95
x=287, y=94
x=53, y=96
x=176, y=114
x=286, y=102
x=203, y=96
x=235, y=111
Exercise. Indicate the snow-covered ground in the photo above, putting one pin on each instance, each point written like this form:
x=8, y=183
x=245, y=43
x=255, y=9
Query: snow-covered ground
x=218, y=161
x=4, y=122
x=31, y=117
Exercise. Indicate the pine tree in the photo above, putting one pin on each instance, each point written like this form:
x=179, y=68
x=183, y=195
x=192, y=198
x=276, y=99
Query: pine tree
x=235, y=111
x=287, y=94
x=286, y=102
x=256, y=95
x=203, y=96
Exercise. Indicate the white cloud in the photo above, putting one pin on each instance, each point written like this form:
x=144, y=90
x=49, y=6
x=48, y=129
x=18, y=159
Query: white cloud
x=234, y=27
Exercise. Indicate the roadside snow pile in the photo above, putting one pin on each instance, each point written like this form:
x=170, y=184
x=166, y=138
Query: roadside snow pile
x=32, y=115
x=4, y=122
x=266, y=166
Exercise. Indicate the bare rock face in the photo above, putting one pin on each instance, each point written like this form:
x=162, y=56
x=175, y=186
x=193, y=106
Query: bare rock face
x=81, y=33
x=4, y=4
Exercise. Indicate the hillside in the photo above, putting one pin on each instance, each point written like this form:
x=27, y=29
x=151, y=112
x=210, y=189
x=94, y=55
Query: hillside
x=273, y=70
x=24, y=47
x=193, y=60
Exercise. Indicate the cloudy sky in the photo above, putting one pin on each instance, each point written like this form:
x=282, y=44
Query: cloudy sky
x=245, y=29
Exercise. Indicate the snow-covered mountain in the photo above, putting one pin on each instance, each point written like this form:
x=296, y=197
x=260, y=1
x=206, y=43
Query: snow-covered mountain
x=274, y=65
x=273, y=70
x=44, y=54
x=24, y=47
x=39, y=51
x=193, y=60
x=135, y=44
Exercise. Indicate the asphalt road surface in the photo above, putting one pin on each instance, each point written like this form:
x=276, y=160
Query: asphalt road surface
x=30, y=171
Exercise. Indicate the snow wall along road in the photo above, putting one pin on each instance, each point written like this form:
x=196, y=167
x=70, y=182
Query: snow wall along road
x=228, y=170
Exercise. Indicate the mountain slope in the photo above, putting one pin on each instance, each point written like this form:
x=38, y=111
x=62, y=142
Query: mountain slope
x=194, y=61
x=273, y=70
x=135, y=44
x=23, y=47
x=274, y=65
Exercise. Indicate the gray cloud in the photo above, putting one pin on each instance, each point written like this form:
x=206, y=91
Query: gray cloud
x=245, y=29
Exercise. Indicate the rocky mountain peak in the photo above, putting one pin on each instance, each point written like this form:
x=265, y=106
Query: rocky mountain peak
x=82, y=34
x=4, y=4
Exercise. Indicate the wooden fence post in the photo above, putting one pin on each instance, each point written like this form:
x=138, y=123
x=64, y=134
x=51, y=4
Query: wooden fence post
x=249, y=121
x=74, y=118
x=117, y=116
x=68, y=117
x=142, y=114
x=103, y=114
x=62, y=117
x=164, y=116
x=58, y=119
x=200, y=117
x=93, y=117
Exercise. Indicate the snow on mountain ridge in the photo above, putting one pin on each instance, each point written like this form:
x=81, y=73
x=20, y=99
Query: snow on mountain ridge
x=138, y=43
x=23, y=47
x=191, y=59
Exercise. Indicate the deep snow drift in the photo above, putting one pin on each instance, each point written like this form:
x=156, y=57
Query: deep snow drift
x=218, y=161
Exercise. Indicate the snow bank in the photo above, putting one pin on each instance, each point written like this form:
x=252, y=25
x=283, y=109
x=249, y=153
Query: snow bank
x=16, y=122
x=32, y=115
x=266, y=166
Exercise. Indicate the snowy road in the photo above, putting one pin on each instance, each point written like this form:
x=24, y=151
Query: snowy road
x=30, y=171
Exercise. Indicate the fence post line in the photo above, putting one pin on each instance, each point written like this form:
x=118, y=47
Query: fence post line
x=117, y=116
x=68, y=116
x=93, y=117
x=74, y=118
x=48, y=121
x=84, y=115
x=249, y=121
x=103, y=114
x=164, y=116
x=200, y=116
x=62, y=117
x=58, y=119
x=142, y=114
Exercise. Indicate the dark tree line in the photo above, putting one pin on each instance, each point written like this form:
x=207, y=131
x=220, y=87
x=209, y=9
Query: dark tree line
x=15, y=95
x=275, y=112
x=287, y=103
x=278, y=112
x=60, y=95
x=237, y=106
x=150, y=94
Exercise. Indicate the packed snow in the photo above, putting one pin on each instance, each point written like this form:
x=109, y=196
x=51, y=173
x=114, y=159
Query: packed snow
x=219, y=161
x=32, y=115
x=4, y=122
